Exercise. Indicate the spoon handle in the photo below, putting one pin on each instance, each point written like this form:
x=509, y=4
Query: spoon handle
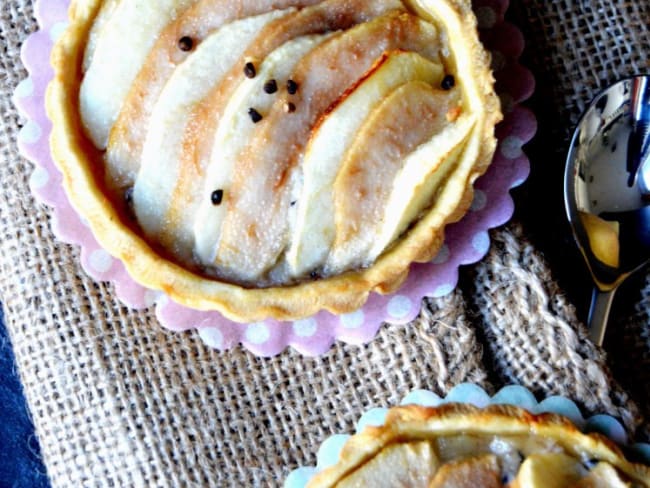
x=601, y=302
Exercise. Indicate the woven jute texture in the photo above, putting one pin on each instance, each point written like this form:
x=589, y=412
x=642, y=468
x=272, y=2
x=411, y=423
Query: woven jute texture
x=117, y=401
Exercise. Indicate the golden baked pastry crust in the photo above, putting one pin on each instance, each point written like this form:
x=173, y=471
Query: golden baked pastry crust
x=80, y=164
x=413, y=423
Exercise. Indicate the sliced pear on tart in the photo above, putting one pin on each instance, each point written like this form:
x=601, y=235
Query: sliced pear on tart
x=314, y=229
x=235, y=130
x=166, y=202
x=603, y=475
x=548, y=470
x=413, y=115
x=230, y=196
x=256, y=229
x=417, y=184
x=120, y=49
x=161, y=166
x=197, y=23
x=474, y=447
x=483, y=471
x=409, y=464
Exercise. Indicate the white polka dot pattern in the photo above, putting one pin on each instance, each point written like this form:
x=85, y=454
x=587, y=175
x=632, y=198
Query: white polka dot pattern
x=352, y=320
x=25, y=88
x=30, y=133
x=100, y=261
x=518, y=182
x=399, y=306
x=305, y=328
x=511, y=147
x=481, y=242
x=150, y=297
x=443, y=290
x=212, y=337
x=57, y=30
x=258, y=333
x=480, y=200
x=39, y=178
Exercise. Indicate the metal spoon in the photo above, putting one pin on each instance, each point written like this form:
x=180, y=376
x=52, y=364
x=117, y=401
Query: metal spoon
x=607, y=191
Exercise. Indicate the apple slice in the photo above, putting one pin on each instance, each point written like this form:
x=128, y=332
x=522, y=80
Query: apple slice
x=314, y=229
x=410, y=464
x=235, y=130
x=160, y=168
x=409, y=133
x=121, y=48
x=255, y=231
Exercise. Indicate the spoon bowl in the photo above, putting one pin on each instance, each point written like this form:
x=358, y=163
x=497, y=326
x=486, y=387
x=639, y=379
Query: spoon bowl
x=607, y=190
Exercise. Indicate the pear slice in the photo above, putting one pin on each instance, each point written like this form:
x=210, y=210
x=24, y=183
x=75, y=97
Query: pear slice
x=234, y=131
x=256, y=230
x=548, y=470
x=198, y=22
x=483, y=471
x=121, y=48
x=104, y=14
x=388, y=177
x=411, y=464
x=603, y=475
x=314, y=228
x=422, y=175
x=162, y=161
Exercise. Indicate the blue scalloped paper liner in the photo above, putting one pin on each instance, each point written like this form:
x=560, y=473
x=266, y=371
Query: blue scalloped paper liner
x=330, y=449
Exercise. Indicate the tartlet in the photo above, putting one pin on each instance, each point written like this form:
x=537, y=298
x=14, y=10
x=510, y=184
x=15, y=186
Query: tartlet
x=271, y=158
x=458, y=445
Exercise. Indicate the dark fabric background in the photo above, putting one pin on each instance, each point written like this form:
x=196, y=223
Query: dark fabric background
x=20, y=462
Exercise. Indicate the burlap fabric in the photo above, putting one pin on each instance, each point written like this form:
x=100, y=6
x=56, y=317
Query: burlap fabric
x=117, y=401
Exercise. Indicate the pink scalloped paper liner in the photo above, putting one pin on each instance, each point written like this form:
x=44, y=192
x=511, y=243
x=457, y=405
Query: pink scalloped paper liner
x=466, y=242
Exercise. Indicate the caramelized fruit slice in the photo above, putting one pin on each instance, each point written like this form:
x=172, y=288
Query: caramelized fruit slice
x=235, y=130
x=423, y=174
x=315, y=227
x=483, y=471
x=411, y=116
x=603, y=475
x=160, y=168
x=196, y=24
x=256, y=229
x=548, y=470
x=120, y=50
x=411, y=464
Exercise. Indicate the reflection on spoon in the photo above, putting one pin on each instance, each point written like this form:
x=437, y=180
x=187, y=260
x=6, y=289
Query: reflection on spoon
x=607, y=190
x=603, y=238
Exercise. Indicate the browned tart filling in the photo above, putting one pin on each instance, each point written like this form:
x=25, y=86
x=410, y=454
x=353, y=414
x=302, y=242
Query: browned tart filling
x=460, y=446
